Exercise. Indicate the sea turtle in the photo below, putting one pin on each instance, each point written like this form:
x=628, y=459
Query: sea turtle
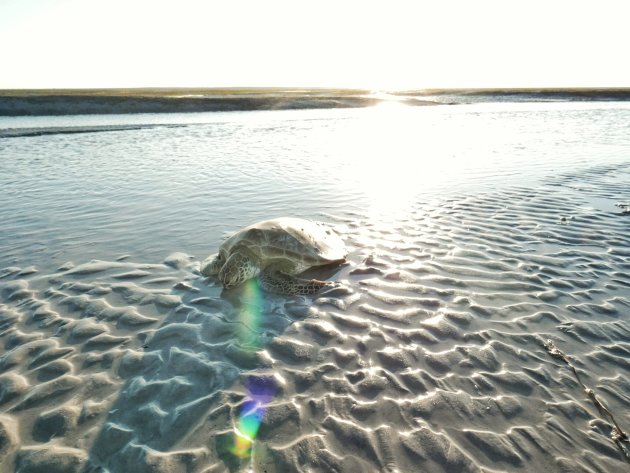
x=277, y=250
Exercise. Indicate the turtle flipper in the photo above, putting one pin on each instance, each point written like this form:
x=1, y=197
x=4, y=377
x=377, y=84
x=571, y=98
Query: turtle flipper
x=283, y=283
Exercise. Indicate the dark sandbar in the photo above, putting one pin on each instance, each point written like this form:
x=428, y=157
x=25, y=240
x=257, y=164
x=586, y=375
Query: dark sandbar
x=181, y=100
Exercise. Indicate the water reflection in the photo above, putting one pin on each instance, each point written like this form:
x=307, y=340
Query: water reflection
x=146, y=192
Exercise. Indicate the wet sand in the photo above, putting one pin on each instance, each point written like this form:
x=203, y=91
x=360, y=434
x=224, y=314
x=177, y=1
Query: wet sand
x=435, y=361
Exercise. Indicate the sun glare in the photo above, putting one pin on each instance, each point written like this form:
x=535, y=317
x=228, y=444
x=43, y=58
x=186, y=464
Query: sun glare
x=383, y=158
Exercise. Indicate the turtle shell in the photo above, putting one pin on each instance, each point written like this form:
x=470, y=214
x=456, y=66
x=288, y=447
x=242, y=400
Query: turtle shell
x=303, y=243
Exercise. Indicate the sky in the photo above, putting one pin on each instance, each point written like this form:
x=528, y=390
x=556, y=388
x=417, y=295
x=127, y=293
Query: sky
x=379, y=45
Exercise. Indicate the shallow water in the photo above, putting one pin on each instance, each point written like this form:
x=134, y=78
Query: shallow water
x=475, y=233
x=150, y=191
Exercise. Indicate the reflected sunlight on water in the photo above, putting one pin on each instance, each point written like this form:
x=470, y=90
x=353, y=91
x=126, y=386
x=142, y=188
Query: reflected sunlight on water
x=88, y=195
x=395, y=152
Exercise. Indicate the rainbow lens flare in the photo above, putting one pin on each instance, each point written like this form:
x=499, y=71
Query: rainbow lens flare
x=260, y=388
x=252, y=414
x=251, y=313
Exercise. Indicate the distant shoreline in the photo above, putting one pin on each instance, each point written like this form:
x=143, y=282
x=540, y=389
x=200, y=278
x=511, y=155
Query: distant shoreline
x=18, y=102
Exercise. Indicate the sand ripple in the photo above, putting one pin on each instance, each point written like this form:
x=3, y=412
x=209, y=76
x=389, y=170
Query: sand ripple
x=433, y=361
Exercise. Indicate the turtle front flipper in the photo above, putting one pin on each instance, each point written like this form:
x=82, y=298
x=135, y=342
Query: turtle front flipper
x=283, y=283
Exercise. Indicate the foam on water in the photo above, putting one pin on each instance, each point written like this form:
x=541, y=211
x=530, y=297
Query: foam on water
x=123, y=359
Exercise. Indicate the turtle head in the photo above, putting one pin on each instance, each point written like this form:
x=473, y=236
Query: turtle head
x=238, y=268
x=212, y=264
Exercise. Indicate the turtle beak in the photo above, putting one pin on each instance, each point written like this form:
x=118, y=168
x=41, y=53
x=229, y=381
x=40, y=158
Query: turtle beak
x=229, y=284
x=226, y=278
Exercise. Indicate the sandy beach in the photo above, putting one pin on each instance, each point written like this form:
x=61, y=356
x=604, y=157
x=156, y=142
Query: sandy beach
x=437, y=359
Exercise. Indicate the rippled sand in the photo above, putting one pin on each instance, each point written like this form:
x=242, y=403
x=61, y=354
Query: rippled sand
x=434, y=362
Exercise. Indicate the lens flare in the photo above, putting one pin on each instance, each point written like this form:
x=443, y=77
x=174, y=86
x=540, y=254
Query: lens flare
x=260, y=388
x=250, y=313
x=252, y=414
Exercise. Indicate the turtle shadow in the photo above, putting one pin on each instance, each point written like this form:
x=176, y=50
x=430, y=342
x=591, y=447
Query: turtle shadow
x=326, y=272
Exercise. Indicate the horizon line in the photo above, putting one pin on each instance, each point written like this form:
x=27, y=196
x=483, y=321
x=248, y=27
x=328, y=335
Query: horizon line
x=344, y=90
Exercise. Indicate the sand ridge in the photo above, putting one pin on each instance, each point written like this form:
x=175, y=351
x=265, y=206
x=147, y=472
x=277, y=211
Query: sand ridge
x=436, y=360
